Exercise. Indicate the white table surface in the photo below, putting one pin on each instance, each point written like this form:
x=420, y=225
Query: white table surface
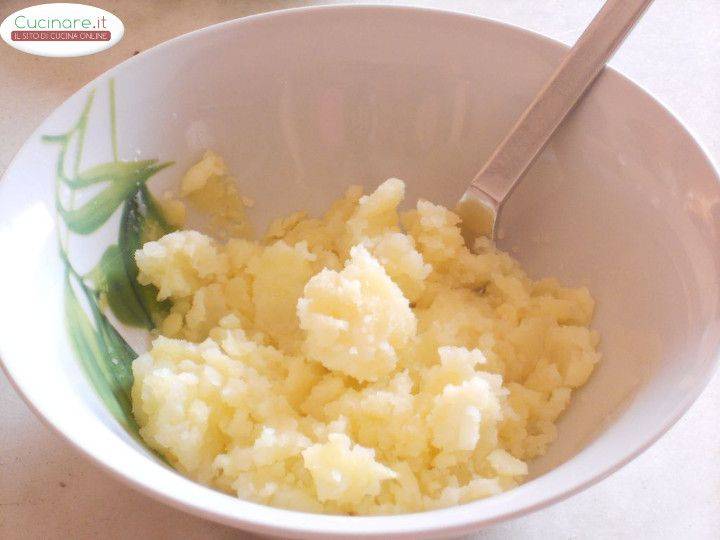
x=48, y=490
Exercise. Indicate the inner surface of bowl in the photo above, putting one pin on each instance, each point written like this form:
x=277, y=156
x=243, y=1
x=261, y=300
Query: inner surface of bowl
x=306, y=102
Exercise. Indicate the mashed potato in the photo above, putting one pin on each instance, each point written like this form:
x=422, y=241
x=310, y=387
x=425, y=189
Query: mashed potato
x=364, y=362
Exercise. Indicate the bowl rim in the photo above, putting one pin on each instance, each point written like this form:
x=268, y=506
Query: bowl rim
x=291, y=523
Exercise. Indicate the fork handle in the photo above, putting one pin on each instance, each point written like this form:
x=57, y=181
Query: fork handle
x=561, y=92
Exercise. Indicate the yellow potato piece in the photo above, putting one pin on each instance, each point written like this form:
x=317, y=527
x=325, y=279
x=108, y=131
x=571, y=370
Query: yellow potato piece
x=361, y=362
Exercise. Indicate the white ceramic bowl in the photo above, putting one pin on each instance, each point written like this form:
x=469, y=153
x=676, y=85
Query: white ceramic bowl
x=303, y=102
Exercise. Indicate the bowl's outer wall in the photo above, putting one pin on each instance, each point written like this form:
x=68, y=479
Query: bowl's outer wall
x=622, y=201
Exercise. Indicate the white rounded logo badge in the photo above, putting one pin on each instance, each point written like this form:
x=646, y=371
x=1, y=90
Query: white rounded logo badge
x=61, y=30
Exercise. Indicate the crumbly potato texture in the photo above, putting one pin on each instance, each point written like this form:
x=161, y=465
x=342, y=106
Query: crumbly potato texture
x=363, y=362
